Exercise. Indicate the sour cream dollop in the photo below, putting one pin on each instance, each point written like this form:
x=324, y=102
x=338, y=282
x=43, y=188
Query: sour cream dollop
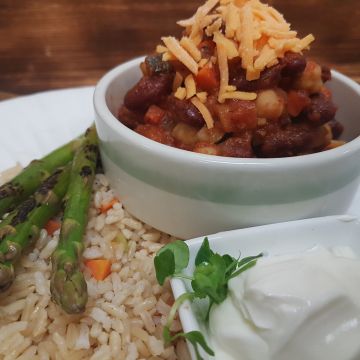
x=299, y=306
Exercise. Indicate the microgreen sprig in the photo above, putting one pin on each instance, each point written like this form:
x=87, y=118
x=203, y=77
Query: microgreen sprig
x=210, y=280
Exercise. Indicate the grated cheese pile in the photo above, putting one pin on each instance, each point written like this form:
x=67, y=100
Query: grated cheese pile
x=249, y=29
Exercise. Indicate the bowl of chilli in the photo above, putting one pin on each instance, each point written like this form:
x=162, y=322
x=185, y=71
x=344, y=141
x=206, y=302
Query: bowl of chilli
x=190, y=194
x=229, y=126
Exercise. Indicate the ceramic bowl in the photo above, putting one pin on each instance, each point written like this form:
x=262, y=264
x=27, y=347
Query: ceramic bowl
x=275, y=239
x=188, y=194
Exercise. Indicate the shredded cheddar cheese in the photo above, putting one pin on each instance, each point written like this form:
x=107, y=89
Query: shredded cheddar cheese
x=223, y=68
x=249, y=30
x=191, y=48
x=214, y=27
x=202, y=11
x=161, y=49
x=232, y=21
x=178, y=80
x=180, y=53
x=180, y=93
x=204, y=112
x=305, y=42
x=255, y=32
x=265, y=57
x=246, y=48
x=190, y=86
x=168, y=56
x=239, y=95
x=230, y=88
x=230, y=46
x=202, y=96
x=203, y=62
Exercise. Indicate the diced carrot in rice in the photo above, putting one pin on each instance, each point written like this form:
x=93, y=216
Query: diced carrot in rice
x=51, y=226
x=107, y=206
x=99, y=268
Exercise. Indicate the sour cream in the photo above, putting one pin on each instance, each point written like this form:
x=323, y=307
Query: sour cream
x=291, y=307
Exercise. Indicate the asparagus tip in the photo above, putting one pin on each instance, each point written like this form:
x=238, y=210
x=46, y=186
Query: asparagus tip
x=7, y=276
x=69, y=291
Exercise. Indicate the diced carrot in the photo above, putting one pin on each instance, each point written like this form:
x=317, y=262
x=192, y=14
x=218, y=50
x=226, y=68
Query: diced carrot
x=207, y=79
x=105, y=207
x=259, y=44
x=156, y=133
x=154, y=115
x=297, y=101
x=237, y=116
x=51, y=226
x=99, y=268
x=326, y=92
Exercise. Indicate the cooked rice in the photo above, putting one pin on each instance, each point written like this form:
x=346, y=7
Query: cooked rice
x=126, y=312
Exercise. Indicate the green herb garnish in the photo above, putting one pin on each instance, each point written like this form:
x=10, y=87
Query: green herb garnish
x=210, y=280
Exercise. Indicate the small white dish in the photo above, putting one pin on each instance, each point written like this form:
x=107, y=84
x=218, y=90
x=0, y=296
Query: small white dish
x=275, y=239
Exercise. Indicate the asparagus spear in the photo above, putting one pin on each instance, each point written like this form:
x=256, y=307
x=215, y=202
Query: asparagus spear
x=68, y=286
x=23, y=185
x=23, y=225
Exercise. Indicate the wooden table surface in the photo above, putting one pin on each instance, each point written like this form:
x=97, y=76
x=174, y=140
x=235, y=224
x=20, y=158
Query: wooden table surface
x=51, y=44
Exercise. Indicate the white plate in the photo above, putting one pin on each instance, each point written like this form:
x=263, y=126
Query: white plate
x=275, y=239
x=32, y=126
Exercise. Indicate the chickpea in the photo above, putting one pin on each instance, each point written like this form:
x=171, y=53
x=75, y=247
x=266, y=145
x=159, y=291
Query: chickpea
x=269, y=105
x=211, y=136
x=185, y=133
x=206, y=149
x=310, y=80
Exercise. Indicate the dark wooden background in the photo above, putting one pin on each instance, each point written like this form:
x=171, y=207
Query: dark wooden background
x=50, y=44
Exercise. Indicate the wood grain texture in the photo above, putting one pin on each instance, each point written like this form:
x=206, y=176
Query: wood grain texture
x=49, y=44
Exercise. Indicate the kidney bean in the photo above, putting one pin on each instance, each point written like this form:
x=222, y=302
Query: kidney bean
x=148, y=91
x=239, y=146
x=183, y=111
x=155, y=65
x=290, y=140
x=207, y=48
x=292, y=64
x=321, y=109
x=336, y=128
x=130, y=118
x=269, y=78
x=325, y=74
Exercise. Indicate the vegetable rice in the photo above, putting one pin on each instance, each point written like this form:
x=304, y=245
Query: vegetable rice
x=125, y=313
